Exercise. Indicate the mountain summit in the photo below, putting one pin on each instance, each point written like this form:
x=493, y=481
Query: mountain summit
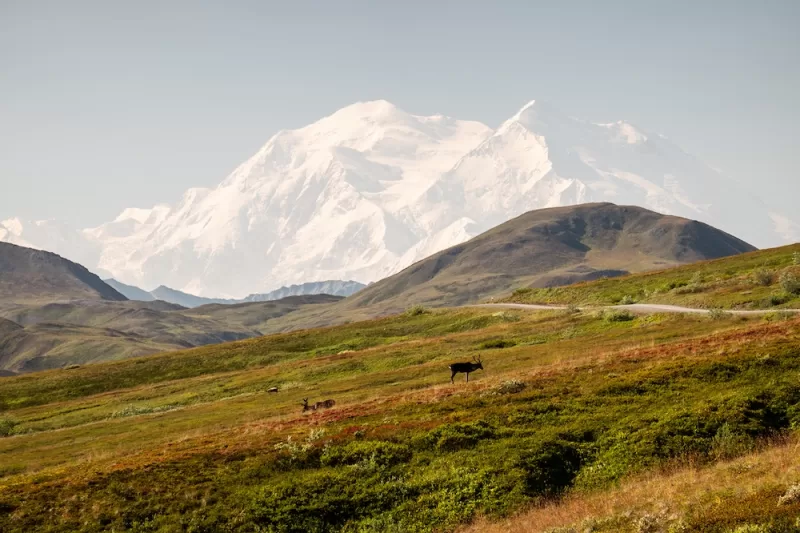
x=367, y=191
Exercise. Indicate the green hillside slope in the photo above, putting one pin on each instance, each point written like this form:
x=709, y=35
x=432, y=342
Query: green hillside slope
x=768, y=279
x=571, y=408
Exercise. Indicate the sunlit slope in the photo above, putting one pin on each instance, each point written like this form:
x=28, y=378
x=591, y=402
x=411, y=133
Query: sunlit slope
x=568, y=402
x=765, y=279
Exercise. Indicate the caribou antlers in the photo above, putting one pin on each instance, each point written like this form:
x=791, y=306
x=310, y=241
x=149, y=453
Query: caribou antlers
x=466, y=368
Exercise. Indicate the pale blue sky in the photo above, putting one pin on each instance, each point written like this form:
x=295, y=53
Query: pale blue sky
x=106, y=105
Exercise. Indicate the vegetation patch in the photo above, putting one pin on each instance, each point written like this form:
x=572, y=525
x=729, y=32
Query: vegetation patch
x=403, y=449
x=498, y=343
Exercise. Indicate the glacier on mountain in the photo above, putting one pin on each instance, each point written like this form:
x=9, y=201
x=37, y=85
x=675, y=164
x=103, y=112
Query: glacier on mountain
x=370, y=189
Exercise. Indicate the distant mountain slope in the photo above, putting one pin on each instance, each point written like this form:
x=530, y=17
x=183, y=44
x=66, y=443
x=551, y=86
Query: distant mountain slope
x=256, y=315
x=47, y=346
x=547, y=247
x=28, y=275
x=333, y=287
x=54, y=312
x=129, y=291
x=38, y=337
x=186, y=300
x=7, y=326
x=370, y=189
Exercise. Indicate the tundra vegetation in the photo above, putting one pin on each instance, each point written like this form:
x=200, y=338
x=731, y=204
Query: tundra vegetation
x=757, y=280
x=581, y=421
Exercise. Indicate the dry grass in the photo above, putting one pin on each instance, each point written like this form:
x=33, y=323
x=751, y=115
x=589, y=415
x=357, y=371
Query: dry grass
x=671, y=491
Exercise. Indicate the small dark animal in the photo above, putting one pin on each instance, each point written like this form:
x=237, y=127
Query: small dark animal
x=466, y=368
x=272, y=389
x=307, y=407
x=324, y=405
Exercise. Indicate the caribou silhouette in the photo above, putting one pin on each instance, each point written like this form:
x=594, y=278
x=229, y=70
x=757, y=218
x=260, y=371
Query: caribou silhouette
x=319, y=405
x=466, y=368
x=324, y=404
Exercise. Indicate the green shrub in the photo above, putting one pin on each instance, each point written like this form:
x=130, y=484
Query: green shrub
x=498, y=343
x=778, y=299
x=796, y=258
x=380, y=453
x=726, y=444
x=522, y=291
x=789, y=283
x=7, y=426
x=763, y=277
x=692, y=288
x=715, y=313
x=627, y=300
x=617, y=316
x=671, y=285
x=451, y=437
x=779, y=315
x=135, y=410
x=321, y=501
x=417, y=310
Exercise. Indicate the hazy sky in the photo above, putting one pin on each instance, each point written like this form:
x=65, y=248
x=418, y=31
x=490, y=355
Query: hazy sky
x=106, y=105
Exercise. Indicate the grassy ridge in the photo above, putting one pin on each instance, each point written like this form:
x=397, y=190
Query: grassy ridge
x=758, y=280
x=187, y=441
x=572, y=409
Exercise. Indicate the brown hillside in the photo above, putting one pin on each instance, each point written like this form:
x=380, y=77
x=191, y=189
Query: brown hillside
x=28, y=276
x=549, y=247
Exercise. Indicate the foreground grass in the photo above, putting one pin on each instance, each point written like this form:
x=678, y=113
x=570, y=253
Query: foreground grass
x=767, y=279
x=683, y=497
x=569, y=404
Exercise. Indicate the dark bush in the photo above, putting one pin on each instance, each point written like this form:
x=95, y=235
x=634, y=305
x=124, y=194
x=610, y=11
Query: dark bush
x=550, y=467
x=453, y=437
x=417, y=310
x=498, y=343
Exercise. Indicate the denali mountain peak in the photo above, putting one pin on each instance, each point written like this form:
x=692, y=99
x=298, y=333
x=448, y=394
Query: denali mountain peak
x=370, y=189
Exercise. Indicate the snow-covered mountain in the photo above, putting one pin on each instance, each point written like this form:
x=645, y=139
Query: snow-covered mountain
x=370, y=189
x=333, y=287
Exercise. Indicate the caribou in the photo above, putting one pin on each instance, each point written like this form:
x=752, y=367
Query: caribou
x=319, y=405
x=466, y=368
x=324, y=404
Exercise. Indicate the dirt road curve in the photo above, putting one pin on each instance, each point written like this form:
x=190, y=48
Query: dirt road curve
x=636, y=308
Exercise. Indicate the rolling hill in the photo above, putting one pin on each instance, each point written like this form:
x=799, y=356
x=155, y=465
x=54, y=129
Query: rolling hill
x=55, y=313
x=580, y=421
x=546, y=247
x=541, y=248
x=88, y=331
x=28, y=275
